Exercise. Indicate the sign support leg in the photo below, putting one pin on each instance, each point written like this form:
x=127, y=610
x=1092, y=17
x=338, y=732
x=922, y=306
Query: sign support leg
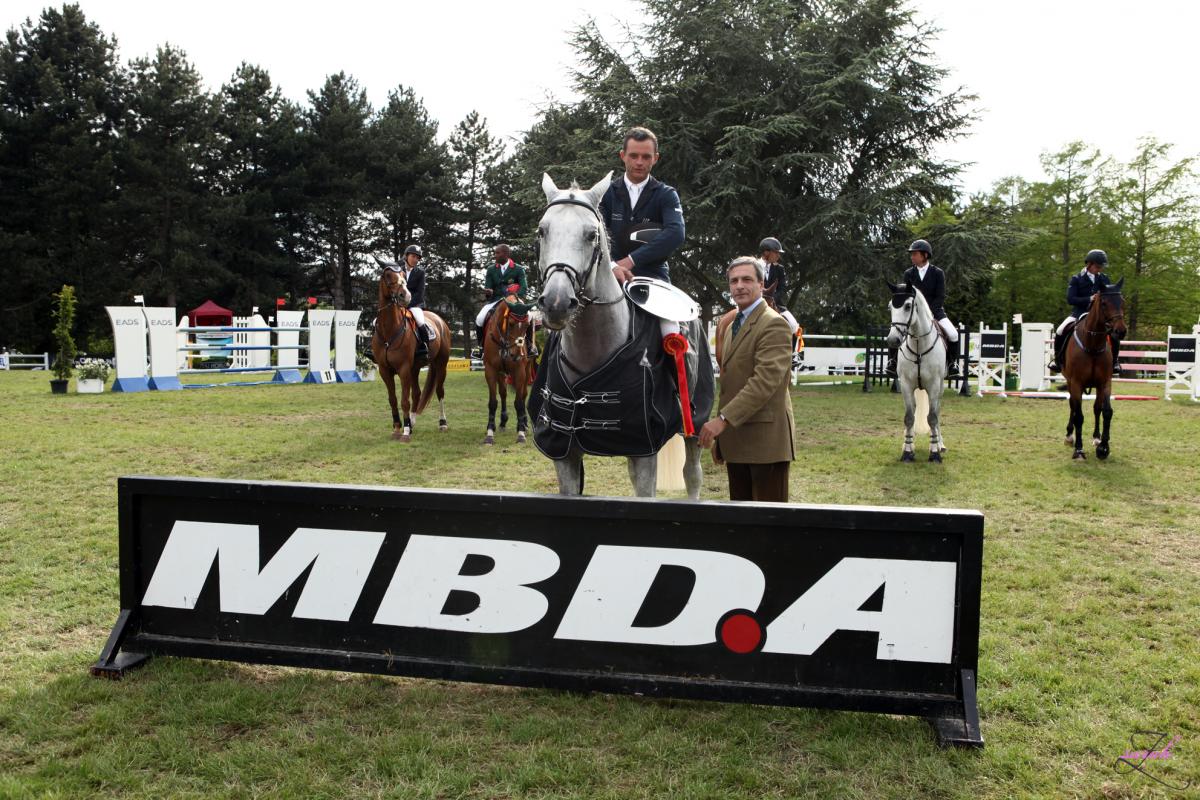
x=114, y=662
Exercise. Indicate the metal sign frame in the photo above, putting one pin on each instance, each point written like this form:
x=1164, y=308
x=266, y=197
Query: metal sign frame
x=1181, y=374
x=877, y=655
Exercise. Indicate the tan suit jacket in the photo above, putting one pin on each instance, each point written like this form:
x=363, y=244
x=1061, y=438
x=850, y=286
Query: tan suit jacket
x=754, y=390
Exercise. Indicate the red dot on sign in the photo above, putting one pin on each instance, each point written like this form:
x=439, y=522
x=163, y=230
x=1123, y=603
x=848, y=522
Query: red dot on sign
x=741, y=633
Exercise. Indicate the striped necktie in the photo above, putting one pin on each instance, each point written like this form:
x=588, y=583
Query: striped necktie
x=737, y=324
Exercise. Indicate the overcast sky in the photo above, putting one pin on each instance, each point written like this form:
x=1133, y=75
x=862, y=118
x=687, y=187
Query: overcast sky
x=1046, y=72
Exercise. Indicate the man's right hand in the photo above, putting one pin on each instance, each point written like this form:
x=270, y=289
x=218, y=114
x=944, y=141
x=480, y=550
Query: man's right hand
x=487, y=294
x=623, y=270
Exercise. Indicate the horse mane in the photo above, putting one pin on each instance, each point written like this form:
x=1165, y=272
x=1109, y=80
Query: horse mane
x=921, y=303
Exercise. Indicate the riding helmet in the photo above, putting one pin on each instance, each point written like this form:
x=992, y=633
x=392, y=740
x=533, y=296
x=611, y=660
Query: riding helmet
x=770, y=243
x=1096, y=257
x=921, y=246
x=414, y=249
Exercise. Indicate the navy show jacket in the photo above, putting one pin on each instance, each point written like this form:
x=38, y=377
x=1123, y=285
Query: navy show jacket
x=1080, y=291
x=658, y=203
x=933, y=287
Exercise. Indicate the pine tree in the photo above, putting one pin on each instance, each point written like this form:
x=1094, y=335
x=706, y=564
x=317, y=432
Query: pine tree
x=338, y=148
x=60, y=110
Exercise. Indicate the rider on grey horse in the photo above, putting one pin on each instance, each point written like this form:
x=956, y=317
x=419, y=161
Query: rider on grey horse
x=930, y=281
x=636, y=201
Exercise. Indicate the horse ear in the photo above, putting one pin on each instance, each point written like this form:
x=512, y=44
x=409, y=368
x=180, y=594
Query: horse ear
x=596, y=193
x=1119, y=284
x=548, y=187
x=895, y=289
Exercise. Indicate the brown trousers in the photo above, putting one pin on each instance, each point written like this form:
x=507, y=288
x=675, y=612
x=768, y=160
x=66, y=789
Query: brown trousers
x=767, y=483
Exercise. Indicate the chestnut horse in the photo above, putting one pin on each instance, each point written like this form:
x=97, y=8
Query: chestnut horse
x=394, y=347
x=1088, y=364
x=507, y=340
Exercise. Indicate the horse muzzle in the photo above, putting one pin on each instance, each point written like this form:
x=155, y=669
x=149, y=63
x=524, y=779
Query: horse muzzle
x=557, y=302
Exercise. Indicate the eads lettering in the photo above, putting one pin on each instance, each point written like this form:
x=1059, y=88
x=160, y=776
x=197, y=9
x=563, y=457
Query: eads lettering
x=914, y=623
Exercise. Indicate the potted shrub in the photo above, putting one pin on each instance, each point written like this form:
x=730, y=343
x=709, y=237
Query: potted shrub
x=64, y=360
x=91, y=377
x=365, y=366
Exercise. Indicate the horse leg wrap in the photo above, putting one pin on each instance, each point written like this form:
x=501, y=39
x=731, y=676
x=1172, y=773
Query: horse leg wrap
x=676, y=345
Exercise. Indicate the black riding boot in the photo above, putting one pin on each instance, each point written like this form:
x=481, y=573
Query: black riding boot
x=952, y=359
x=1058, y=346
x=890, y=369
x=479, y=334
x=1116, y=348
x=422, y=342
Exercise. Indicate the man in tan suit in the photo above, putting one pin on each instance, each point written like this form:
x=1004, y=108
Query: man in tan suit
x=753, y=429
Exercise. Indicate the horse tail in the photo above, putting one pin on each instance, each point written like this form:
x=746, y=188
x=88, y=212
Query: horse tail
x=436, y=362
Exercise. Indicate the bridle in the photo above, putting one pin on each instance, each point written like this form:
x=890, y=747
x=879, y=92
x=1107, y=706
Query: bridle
x=1106, y=331
x=395, y=300
x=503, y=342
x=393, y=297
x=579, y=283
x=905, y=330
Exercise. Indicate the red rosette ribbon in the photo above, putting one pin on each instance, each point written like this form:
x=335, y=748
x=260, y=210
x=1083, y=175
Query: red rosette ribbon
x=676, y=345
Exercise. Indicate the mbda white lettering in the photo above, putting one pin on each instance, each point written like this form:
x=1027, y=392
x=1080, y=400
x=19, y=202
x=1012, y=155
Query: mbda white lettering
x=617, y=580
x=341, y=561
x=429, y=571
x=916, y=622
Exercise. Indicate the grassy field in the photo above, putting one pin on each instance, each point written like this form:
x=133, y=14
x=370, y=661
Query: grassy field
x=1090, y=624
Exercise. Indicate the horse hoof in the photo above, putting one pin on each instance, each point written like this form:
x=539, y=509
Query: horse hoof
x=908, y=456
x=1102, y=452
x=1080, y=455
x=935, y=456
x=397, y=435
x=406, y=437
x=1069, y=442
x=488, y=440
x=442, y=426
x=1095, y=442
x=521, y=438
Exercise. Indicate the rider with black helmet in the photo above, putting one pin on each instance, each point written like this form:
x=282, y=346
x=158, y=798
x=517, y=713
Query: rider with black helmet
x=930, y=281
x=1087, y=282
x=414, y=276
x=775, y=282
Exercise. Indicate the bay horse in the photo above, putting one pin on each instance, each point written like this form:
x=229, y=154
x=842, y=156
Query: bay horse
x=394, y=347
x=1088, y=364
x=507, y=341
x=921, y=364
x=591, y=321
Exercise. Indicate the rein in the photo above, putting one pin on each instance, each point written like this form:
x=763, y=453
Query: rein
x=580, y=283
x=904, y=328
x=404, y=317
x=1106, y=331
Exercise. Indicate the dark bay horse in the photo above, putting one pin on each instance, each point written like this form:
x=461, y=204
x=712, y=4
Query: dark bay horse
x=507, y=340
x=394, y=347
x=1088, y=363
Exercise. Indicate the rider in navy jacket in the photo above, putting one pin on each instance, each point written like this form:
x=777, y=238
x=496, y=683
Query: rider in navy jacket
x=659, y=203
x=1080, y=289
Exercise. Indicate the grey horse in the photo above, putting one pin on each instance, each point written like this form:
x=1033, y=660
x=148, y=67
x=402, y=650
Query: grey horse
x=582, y=301
x=921, y=365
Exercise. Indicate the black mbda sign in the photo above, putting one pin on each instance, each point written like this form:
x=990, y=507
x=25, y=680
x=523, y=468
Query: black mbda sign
x=838, y=607
x=1181, y=350
x=993, y=346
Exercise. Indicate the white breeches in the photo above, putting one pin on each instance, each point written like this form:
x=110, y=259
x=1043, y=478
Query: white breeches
x=1062, y=327
x=791, y=321
x=419, y=316
x=482, y=315
x=949, y=328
